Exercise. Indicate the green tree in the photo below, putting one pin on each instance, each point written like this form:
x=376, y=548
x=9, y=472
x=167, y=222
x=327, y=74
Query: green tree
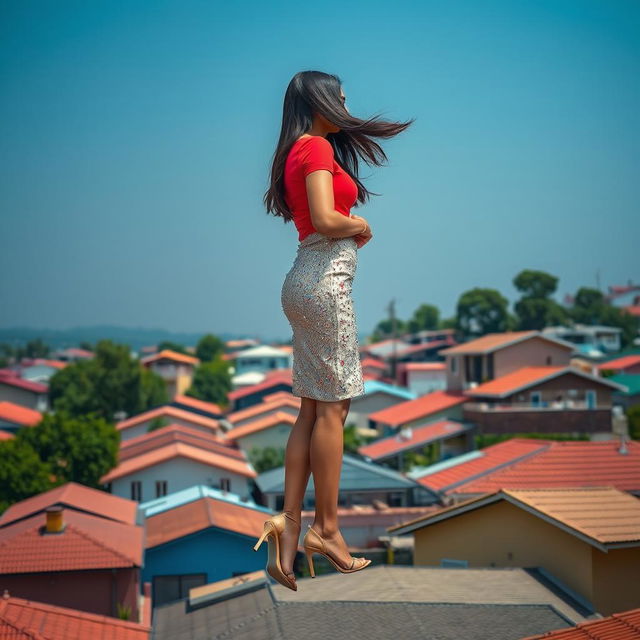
x=22, y=472
x=384, y=330
x=79, y=449
x=633, y=416
x=212, y=382
x=425, y=317
x=265, y=458
x=480, y=311
x=209, y=348
x=536, y=309
x=352, y=439
x=110, y=382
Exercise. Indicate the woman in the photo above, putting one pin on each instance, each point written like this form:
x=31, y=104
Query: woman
x=314, y=182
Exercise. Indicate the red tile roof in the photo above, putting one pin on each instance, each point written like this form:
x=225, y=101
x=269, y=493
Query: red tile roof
x=394, y=444
x=624, y=625
x=373, y=362
x=567, y=464
x=5, y=435
x=621, y=363
x=177, y=433
x=196, y=403
x=22, y=619
x=11, y=379
x=56, y=364
x=269, y=403
x=279, y=376
x=528, y=376
x=261, y=424
x=489, y=459
x=167, y=411
x=75, y=496
x=420, y=407
x=494, y=341
x=87, y=542
x=202, y=514
x=425, y=366
x=173, y=356
x=179, y=450
x=17, y=414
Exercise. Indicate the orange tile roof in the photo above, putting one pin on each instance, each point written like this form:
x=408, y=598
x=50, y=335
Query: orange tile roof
x=566, y=464
x=624, y=625
x=168, y=411
x=280, y=376
x=425, y=366
x=6, y=435
x=578, y=510
x=87, y=542
x=373, y=362
x=273, y=419
x=75, y=496
x=621, y=363
x=179, y=450
x=491, y=458
x=11, y=412
x=202, y=514
x=269, y=403
x=516, y=380
x=22, y=619
x=177, y=433
x=174, y=356
x=196, y=403
x=493, y=341
x=396, y=443
x=601, y=513
x=420, y=407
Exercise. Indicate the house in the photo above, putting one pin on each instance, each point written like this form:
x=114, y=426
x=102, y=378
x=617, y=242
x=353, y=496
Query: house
x=423, y=377
x=447, y=438
x=195, y=405
x=497, y=354
x=13, y=416
x=625, y=364
x=561, y=531
x=437, y=405
x=630, y=397
x=382, y=602
x=361, y=483
x=73, y=354
x=271, y=403
x=274, y=381
x=85, y=556
x=533, y=463
x=27, y=619
x=166, y=414
x=176, y=369
x=177, y=457
x=198, y=535
x=261, y=359
x=592, y=341
x=543, y=399
x=40, y=369
x=378, y=395
x=25, y=393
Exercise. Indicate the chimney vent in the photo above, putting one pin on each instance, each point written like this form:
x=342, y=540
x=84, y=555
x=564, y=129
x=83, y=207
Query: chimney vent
x=55, y=522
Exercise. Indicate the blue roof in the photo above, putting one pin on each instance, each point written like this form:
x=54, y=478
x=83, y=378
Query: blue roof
x=355, y=475
x=373, y=386
x=179, y=498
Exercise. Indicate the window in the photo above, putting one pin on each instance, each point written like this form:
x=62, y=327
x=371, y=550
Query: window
x=161, y=488
x=592, y=398
x=225, y=484
x=536, y=398
x=136, y=490
x=454, y=365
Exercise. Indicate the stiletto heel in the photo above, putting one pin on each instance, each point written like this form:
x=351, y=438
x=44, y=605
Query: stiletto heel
x=309, y=553
x=273, y=528
x=314, y=543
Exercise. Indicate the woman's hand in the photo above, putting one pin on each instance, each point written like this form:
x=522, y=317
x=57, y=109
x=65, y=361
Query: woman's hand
x=364, y=237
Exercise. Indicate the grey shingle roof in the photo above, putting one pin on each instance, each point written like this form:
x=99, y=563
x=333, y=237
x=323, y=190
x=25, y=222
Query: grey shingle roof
x=355, y=475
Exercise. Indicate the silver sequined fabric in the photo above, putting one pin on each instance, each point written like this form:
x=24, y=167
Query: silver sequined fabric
x=316, y=299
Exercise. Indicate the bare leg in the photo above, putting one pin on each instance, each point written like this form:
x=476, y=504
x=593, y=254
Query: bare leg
x=296, y=477
x=327, y=446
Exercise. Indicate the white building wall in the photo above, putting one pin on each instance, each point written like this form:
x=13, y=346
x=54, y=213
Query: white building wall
x=180, y=473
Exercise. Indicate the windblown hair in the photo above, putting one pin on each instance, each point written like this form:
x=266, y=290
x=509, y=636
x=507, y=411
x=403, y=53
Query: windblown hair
x=312, y=92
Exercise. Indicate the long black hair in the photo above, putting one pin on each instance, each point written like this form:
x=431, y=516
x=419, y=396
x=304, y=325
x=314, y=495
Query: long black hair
x=312, y=92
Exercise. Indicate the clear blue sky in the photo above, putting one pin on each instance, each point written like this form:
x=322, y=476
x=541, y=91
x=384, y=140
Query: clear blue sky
x=137, y=137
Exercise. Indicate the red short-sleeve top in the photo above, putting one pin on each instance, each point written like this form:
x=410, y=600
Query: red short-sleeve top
x=308, y=154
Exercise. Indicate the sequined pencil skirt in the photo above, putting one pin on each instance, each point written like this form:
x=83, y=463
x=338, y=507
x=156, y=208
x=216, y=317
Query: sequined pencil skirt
x=316, y=299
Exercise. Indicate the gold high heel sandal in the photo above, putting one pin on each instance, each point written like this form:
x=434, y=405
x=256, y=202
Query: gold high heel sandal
x=273, y=527
x=314, y=543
